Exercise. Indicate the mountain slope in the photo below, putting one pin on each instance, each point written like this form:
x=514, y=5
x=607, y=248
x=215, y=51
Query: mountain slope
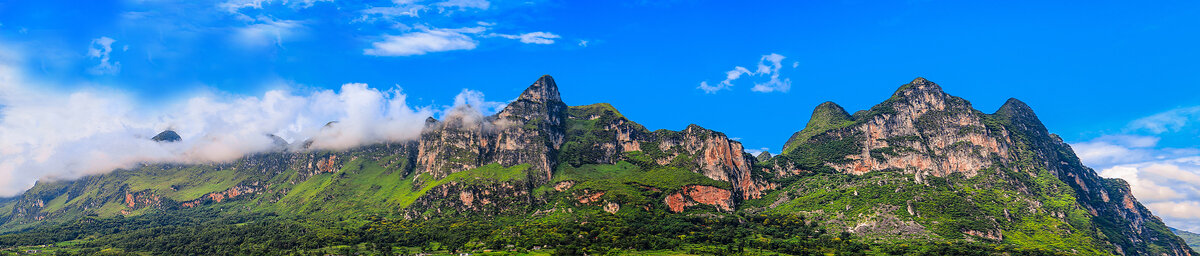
x=921, y=167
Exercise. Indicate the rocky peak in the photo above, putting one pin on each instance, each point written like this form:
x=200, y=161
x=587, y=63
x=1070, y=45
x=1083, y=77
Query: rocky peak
x=530, y=130
x=542, y=91
x=539, y=102
x=921, y=93
x=167, y=136
x=906, y=132
x=920, y=84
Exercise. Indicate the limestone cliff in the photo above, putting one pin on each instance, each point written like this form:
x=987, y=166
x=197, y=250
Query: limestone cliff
x=529, y=130
x=924, y=132
x=599, y=134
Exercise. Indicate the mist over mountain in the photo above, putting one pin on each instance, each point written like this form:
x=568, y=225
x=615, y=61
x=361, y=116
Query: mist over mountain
x=53, y=135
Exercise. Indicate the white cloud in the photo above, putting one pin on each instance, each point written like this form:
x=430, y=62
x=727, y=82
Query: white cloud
x=418, y=43
x=795, y=64
x=390, y=13
x=1110, y=150
x=775, y=84
x=53, y=135
x=769, y=66
x=465, y=4
x=1168, y=121
x=101, y=48
x=236, y=5
x=1143, y=187
x=47, y=134
x=583, y=43
x=532, y=37
x=267, y=31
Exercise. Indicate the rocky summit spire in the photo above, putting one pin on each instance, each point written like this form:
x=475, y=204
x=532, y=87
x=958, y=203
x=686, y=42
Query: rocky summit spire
x=530, y=130
x=919, y=86
x=542, y=91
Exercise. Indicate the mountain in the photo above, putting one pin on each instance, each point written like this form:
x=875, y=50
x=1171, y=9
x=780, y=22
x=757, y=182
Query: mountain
x=167, y=136
x=921, y=173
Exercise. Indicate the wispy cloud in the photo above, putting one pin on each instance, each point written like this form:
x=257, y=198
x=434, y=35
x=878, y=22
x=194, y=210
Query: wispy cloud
x=392, y=12
x=533, y=37
x=465, y=4
x=419, y=43
x=1168, y=121
x=769, y=66
x=267, y=31
x=101, y=48
x=237, y=5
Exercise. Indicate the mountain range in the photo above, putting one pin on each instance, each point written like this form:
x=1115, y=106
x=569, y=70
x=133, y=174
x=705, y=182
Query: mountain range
x=921, y=173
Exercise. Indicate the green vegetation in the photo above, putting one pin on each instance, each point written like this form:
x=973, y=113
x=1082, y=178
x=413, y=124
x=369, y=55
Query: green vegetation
x=211, y=232
x=827, y=116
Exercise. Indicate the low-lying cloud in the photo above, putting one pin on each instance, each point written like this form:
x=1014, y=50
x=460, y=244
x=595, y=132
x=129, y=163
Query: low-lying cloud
x=56, y=135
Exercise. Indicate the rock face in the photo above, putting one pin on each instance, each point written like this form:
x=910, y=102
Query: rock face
x=598, y=134
x=692, y=195
x=529, y=130
x=920, y=128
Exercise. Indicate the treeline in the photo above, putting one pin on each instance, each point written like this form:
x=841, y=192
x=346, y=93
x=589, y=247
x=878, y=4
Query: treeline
x=204, y=232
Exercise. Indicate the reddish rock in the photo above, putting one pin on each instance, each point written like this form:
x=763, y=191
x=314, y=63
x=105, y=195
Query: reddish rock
x=691, y=195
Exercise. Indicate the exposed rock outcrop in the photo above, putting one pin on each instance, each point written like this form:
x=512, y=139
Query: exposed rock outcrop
x=924, y=131
x=692, y=195
x=529, y=130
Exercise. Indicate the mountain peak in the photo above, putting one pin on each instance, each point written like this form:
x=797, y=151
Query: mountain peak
x=1016, y=112
x=918, y=86
x=167, y=136
x=920, y=80
x=542, y=91
x=828, y=115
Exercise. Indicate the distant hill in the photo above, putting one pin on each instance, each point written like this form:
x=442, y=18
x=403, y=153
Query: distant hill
x=1192, y=239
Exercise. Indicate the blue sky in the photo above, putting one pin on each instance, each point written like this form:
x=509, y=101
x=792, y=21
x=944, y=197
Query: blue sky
x=1117, y=79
